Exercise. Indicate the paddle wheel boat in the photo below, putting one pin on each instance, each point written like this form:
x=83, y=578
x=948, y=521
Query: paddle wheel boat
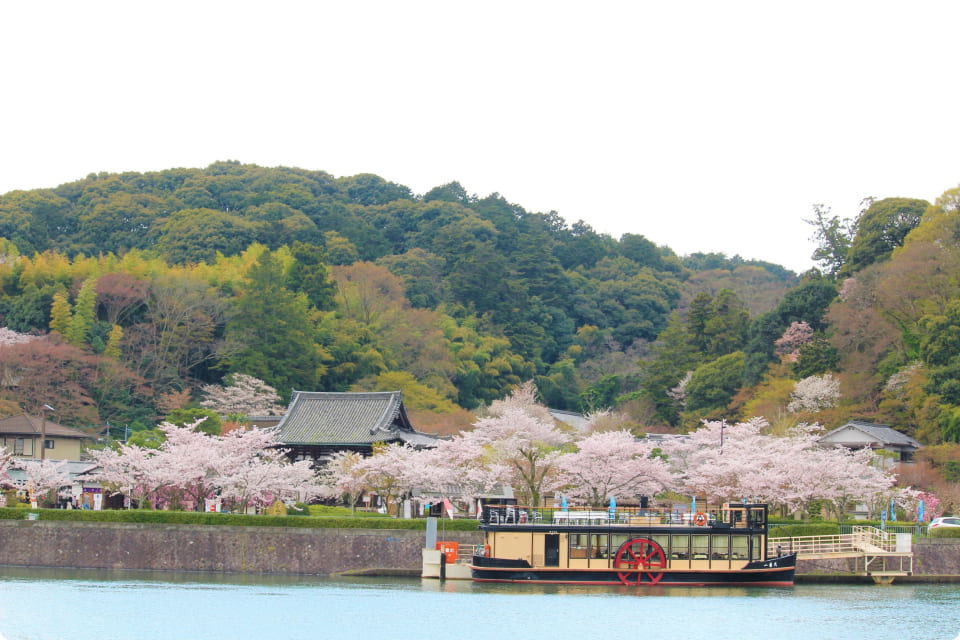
x=634, y=547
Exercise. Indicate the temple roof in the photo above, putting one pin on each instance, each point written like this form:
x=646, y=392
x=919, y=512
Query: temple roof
x=322, y=418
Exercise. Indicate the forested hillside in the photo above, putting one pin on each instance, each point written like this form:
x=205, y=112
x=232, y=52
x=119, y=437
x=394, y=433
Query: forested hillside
x=139, y=288
x=152, y=284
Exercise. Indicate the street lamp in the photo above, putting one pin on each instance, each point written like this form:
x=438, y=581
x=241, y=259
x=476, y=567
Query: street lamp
x=43, y=431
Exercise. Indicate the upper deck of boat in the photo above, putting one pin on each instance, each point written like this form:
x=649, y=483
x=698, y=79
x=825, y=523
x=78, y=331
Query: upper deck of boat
x=731, y=516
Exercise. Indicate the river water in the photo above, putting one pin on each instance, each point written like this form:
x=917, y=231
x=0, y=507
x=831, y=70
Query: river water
x=63, y=605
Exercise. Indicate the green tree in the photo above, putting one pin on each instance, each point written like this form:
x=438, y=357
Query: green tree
x=422, y=275
x=83, y=314
x=816, y=357
x=112, y=348
x=370, y=189
x=560, y=387
x=581, y=246
x=699, y=314
x=211, y=425
x=726, y=330
x=197, y=235
x=672, y=356
x=278, y=330
x=833, y=236
x=309, y=275
x=339, y=249
x=881, y=229
x=60, y=314
x=450, y=192
x=714, y=383
x=640, y=250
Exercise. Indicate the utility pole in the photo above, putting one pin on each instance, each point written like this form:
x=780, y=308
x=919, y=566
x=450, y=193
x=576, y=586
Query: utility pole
x=43, y=431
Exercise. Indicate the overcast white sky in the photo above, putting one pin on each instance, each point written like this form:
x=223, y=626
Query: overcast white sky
x=705, y=126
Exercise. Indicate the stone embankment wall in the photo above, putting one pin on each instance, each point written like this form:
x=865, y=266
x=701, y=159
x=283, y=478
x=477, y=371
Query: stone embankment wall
x=297, y=551
x=936, y=557
x=207, y=548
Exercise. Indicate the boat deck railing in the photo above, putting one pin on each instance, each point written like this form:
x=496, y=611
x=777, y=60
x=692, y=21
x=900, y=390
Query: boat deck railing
x=514, y=515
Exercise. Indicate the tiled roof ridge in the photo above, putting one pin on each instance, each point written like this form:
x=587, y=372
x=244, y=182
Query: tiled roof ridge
x=875, y=429
x=344, y=416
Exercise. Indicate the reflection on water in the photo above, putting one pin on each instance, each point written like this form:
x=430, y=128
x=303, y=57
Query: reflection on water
x=63, y=604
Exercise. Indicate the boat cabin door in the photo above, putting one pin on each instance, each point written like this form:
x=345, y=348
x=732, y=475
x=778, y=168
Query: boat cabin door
x=551, y=550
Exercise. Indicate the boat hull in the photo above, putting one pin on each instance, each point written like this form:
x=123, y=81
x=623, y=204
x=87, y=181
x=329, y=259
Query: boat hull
x=775, y=572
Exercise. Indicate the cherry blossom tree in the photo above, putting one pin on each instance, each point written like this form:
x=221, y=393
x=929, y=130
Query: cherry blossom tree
x=9, y=336
x=796, y=335
x=244, y=395
x=457, y=469
x=43, y=476
x=897, y=383
x=706, y=465
x=343, y=477
x=6, y=463
x=244, y=467
x=388, y=471
x=851, y=477
x=789, y=471
x=523, y=447
x=135, y=472
x=814, y=393
x=513, y=448
x=522, y=398
x=266, y=477
x=607, y=420
x=679, y=392
x=932, y=506
x=611, y=463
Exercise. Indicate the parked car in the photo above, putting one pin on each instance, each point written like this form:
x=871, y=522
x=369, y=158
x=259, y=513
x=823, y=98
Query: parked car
x=948, y=521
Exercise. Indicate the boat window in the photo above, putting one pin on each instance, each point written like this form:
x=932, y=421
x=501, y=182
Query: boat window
x=757, y=548
x=680, y=547
x=578, y=545
x=618, y=540
x=662, y=540
x=719, y=547
x=598, y=545
x=738, y=547
x=700, y=547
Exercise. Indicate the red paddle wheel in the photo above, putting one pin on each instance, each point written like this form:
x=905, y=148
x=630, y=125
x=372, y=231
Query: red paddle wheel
x=644, y=558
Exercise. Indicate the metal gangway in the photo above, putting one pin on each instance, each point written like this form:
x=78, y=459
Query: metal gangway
x=879, y=554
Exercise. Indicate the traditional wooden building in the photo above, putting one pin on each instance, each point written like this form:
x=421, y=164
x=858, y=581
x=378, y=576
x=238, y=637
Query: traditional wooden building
x=318, y=424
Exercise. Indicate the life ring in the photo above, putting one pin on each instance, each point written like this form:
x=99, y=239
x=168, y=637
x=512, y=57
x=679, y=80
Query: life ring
x=700, y=519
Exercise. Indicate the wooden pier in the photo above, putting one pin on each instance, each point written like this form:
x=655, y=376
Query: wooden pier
x=878, y=554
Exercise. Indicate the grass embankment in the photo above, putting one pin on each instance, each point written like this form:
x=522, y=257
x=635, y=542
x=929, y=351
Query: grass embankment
x=320, y=518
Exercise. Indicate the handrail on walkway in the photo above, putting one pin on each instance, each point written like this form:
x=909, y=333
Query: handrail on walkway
x=860, y=541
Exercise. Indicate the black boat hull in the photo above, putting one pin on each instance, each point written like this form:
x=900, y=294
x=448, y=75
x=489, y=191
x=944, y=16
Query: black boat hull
x=775, y=572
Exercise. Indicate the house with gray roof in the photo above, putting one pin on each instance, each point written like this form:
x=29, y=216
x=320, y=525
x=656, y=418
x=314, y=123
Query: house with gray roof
x=318, y=424
x=32, y=437
x=858, y=435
